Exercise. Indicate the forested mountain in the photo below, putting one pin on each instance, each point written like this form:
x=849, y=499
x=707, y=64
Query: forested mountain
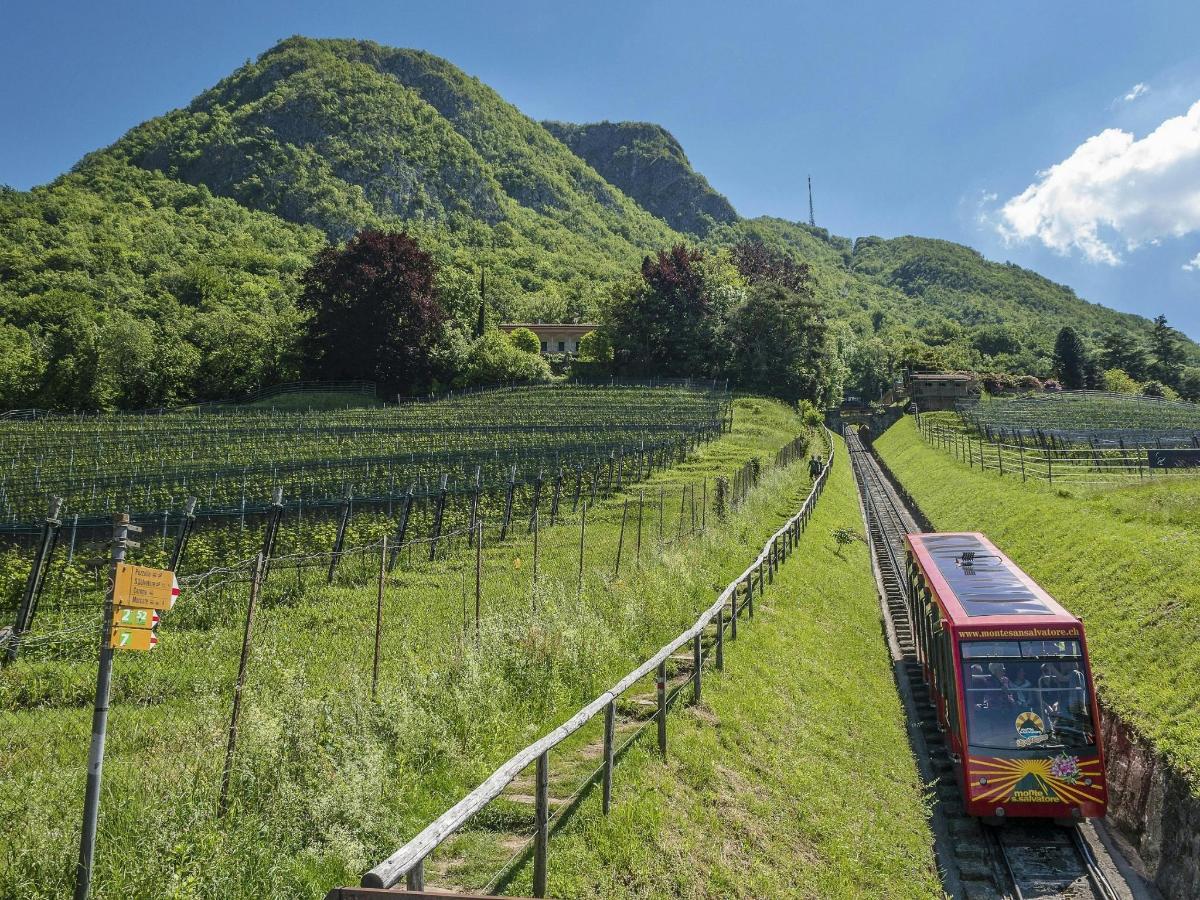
x=168, y=265
x=647, y=163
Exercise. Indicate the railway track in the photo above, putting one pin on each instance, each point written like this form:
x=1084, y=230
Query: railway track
x=1020, y=860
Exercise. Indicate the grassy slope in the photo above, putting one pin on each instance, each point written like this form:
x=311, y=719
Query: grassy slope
x=328, y=782
x=1117, y=557
x=794, y=778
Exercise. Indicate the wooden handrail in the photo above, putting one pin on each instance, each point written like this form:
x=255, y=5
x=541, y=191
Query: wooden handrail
x=412, y=854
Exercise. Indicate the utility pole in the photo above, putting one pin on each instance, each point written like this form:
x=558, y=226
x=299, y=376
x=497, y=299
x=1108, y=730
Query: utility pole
x=812, y=219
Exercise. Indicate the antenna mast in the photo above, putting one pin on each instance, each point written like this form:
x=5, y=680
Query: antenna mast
x=812, y=220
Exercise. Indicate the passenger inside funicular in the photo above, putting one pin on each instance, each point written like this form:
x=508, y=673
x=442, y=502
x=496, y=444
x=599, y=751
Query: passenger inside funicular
x=1026, y=695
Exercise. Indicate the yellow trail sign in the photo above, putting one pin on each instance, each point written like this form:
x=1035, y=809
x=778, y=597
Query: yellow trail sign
x=133, y=639
x=134, y=617
x=143, y=587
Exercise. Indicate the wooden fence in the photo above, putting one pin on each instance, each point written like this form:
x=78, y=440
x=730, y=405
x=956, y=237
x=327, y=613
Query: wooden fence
x=408, y=862
x=1078, y=465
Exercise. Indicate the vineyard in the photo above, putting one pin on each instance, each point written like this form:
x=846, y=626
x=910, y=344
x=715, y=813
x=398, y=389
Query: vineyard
x=1088, y=418
x=233, y=462
x=415, y=621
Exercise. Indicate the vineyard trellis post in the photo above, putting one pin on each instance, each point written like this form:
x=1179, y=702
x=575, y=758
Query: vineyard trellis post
x=239, y=684
x=508, y=502
x=437, y=517
x=537, y=498
x=641, y=504
x=272, y=529
x=475, y=504
x=478, y=573
x=582, y=539
x=186, y=523
x=383, y=556
x=37, y=577
x=402, y=527
x=555, y=497
x=95, y=767
x=339, y=540
x=621, y=538
x=533, y=586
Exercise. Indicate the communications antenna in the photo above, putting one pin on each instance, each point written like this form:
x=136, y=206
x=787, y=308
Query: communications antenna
x=812, y=220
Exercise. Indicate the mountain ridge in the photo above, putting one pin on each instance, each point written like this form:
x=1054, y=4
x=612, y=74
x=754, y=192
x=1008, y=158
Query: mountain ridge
x=318, y=138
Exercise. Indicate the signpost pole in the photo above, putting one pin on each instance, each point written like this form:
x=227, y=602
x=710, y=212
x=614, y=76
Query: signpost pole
x=91, y=802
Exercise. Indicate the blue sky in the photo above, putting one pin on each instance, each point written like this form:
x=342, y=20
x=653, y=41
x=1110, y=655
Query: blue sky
x=913, y=118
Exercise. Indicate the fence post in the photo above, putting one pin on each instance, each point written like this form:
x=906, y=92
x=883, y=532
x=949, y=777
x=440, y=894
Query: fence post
x=247, y=636
x=383, y=555
x=1022, y=447
x=733, y=612
x=610, y=725
x=697, y=662
x=36, y=579
x=704, y=506
x=750, y=596
x=343, y=521
x=721, y=638
x=541, y=818
x=91, y=801
x=660, y=684
x=661, y=496
x=414, y=878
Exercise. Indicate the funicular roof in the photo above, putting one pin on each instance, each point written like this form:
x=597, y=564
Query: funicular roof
x=973, y=579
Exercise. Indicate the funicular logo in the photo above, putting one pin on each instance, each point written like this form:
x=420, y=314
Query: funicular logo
x=1059, y=779
x=1031, y=729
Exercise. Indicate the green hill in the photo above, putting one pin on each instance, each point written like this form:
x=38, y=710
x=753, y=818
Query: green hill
x=186, y=238
x=648, y=164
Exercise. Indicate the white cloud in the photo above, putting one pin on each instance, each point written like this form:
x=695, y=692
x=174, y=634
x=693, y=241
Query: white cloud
x=1136, y=91
x=1114, y=190
x=1192, y=265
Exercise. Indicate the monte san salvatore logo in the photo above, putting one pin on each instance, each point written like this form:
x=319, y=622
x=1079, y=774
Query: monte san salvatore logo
x=1031, y=728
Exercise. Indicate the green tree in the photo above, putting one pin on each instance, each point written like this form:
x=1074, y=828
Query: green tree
x=668, y=323
x=779, y=345
x=596, y=347
x=1122, y=350
x=1189, y=383
x=1166, y=352
x=374, y=312
x=1070, y=359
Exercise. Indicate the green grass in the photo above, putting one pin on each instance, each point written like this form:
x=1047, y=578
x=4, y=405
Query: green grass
x=794, y=778
x=327, y=781
x=1121, y=558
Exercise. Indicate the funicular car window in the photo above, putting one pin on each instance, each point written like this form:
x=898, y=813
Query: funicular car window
x=1026, y=695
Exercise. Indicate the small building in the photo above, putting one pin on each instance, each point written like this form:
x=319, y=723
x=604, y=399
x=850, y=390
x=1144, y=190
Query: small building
x=942, y=390
x=555, y=338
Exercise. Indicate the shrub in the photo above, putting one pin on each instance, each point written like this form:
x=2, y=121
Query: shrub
x=525, y=340
x=493, y=359
x=1158, y=389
